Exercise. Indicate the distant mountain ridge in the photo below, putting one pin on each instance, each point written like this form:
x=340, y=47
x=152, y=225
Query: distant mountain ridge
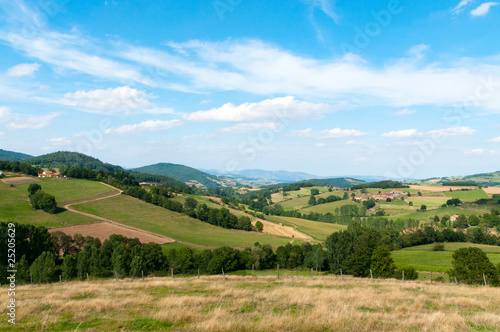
x=184, y=174
x=13, y=156
x=272, y=176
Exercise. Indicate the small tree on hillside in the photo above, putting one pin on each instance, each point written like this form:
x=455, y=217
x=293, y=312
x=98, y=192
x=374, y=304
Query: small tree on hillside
x=469, y=264
x=259, y=226
x=312, y=201
x=33, y=188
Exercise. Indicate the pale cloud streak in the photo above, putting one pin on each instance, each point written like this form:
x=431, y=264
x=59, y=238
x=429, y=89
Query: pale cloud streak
x=24, y=69
x=150, y=125
x=447, y=132
x=404, y=112
x=328, y=133
x=21, y=121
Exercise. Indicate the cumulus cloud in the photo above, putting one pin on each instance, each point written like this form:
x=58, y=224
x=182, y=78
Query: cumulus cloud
x=24, y=69
x=150, y=125
x=22, y=121
x=59, y=141
x=278, y=108
x=447, y=132
x=328, y=133
x=495, y=140
x=404, y=112
x=483, y=9
x=112, y=101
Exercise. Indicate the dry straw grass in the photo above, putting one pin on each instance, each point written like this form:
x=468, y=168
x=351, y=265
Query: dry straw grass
x=260, y=304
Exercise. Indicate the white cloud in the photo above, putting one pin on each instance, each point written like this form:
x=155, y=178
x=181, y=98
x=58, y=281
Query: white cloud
x=277, y=109
x=401, y=133
x=150, y=125
x=404, y=112
x=4, y=113
x=24, y=69
x=59, y=141
x=112, y=101
x=461, y=4
x=320, y=145
x=480, y=152
x=325, y=7
x=450, y=132
x=329, y=133
x=251, y=126
x=483, y=9
x=495, y=140
x=22, y=121
x=447, y=132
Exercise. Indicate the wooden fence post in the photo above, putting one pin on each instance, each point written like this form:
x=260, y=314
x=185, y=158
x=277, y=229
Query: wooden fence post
x=172, y=273
x=403, y=273
x=484, y=278
x=88, y=279
x=311, y=272
x=198, y=273
x=278, y=271
x=371, y=274
x=142, y=274
x=223, y=274
x=31, y=276
x=431, y=277
x=60, y=279
x=253, y=265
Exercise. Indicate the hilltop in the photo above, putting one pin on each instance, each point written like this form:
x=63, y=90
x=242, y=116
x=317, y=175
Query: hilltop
x=13, y=156
x=64, y=159
x=183, y=173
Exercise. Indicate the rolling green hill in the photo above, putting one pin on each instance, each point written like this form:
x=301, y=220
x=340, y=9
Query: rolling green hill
x=63, y=159
x=483, y=179
x=182, y=173
x=13, y=156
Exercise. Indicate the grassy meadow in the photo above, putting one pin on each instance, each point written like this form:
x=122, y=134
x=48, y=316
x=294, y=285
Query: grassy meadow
x=66, y=190
x=317, y=230
x=423, y=258
x=254, y=304
x=15, y=207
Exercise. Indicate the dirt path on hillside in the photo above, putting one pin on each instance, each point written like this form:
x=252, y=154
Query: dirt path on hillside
x=165, y=239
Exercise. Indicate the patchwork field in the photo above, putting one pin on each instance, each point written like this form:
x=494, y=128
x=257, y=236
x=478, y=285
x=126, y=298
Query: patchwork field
x=436, y=188
x=136, y=213
x=468, y=195
x=20, y=180
x=254, y=304
x=103, y=230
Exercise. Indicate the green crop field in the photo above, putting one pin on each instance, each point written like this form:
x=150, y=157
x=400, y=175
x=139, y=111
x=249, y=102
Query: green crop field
x=15, y=207
x=317, y=230
x=69, y=190
x=423, y=258
x=468, y=195
x=328, y=207
x=441, y=212
x=133, y=212
x=430, y=201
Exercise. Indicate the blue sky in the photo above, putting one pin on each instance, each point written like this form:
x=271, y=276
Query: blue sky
x=394, y=88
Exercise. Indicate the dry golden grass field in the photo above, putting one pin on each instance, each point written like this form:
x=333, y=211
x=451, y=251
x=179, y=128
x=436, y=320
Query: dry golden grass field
x=260, y=304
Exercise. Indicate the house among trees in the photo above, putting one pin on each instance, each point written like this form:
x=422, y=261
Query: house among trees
x=398, y=192
x=382, y=196
x=49, y=174
x=454, y=218
x=359, y=198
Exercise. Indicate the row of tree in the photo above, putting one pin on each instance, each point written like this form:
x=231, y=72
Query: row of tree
x=222, y=217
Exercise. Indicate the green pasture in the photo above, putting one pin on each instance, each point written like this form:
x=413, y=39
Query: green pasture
x=468, y=195
x=315, y=229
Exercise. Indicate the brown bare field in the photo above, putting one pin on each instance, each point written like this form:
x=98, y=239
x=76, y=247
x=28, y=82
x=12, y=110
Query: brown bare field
x=20, y=180
x=282, y=230
x=103, y=230
x=440, y=188
x=492, y=190
x=254, y=304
